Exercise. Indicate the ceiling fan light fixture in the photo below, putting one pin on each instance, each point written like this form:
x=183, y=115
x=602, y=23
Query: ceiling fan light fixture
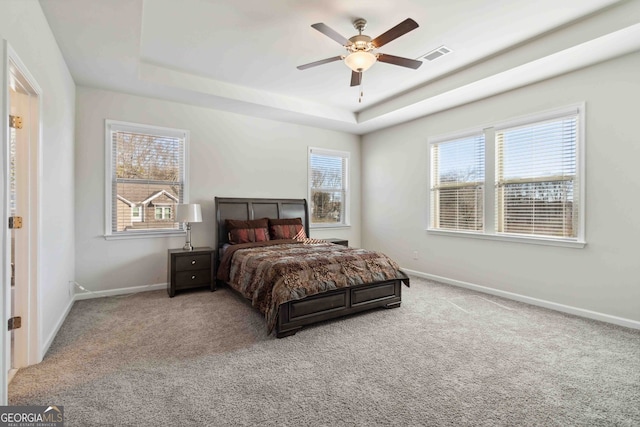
x=360, y=61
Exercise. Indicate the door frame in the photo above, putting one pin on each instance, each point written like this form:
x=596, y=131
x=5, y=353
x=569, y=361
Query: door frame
x=28, y=303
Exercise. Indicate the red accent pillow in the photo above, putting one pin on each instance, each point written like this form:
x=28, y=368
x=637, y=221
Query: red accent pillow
x=256, y=230
x=286, y=228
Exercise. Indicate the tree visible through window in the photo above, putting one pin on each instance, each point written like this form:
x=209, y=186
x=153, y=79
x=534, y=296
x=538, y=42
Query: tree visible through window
x=457, y=189
x=536, y=178
x=147, y=173
x=535, y=184
x=328, y=187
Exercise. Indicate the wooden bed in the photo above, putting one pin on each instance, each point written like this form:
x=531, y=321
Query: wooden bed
x=293, y=315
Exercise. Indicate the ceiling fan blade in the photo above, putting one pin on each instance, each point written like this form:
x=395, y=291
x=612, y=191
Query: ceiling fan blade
x=356, y=78
x=316, y=63
x=401, y=29
x=331, y=33
x=398, y=60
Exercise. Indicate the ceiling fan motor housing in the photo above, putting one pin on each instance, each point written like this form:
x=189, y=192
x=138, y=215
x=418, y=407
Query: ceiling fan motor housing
x=360, y=43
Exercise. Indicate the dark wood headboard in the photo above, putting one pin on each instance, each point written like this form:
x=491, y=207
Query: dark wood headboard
x=246, y=209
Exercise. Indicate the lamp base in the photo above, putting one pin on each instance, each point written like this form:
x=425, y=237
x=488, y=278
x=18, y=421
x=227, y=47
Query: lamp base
x=187, y=246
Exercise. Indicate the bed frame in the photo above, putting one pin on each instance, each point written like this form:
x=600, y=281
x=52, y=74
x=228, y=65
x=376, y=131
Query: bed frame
x=293, y=315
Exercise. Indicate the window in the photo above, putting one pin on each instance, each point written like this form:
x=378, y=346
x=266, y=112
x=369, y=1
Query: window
x=136, y=214
x=328, y=187
x=536, y=178
x=533, y=187
x=146, y=168
x=457, y=183
x=163, y=212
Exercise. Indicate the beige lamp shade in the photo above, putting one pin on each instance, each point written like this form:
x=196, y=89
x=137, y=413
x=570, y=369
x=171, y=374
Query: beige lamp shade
x=188, y=213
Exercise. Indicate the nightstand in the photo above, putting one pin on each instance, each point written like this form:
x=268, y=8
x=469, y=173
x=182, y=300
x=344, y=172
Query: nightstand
x=335, y=241
x=191, y=269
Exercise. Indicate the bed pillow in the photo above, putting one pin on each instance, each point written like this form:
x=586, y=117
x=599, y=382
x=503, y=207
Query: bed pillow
x=286, y=228
x=256, y=230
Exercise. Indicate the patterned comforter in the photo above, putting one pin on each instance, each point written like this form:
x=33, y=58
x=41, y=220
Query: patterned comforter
x=274, y=272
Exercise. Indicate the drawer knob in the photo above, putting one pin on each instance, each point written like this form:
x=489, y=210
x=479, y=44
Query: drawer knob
x=193, y=277
x=193, y=262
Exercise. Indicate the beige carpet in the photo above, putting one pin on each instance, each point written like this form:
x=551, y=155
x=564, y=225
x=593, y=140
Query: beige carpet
x=448, y=356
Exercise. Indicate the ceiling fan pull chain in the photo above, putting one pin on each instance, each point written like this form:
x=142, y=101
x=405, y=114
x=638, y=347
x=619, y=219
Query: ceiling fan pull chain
x=361, y=93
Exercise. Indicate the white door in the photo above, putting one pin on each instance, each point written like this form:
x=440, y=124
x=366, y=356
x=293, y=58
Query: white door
x=20, y=99
x=20, y=148
x=5, y=270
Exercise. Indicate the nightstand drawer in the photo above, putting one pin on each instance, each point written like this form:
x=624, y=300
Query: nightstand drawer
x=193, y=262
x=193, y=278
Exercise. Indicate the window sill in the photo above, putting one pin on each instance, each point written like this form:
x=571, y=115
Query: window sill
x=511, y=238
x=145, y=235
x=328, y=226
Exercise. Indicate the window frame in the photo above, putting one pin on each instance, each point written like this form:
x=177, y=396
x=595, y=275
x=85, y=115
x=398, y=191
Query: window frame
x=117, y=125
x=490, y=209
x=345, y=185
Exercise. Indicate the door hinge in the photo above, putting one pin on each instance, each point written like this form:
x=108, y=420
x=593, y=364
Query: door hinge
x=15, y=222
x=15, y=122
x=14, y=323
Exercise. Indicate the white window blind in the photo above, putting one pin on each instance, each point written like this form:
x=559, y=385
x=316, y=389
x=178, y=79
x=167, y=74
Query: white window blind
x=457, y=183
x=147, y=176
x=536, y=178
x=328, y=187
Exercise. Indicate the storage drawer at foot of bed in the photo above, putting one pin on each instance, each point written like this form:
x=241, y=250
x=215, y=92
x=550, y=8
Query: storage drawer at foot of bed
x=314, y=305
x=293, y=315
x=380, y=292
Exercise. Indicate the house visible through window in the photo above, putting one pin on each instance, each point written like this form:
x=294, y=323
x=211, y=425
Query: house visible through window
x=535, y=188
x=328, y=187
x=146, y=175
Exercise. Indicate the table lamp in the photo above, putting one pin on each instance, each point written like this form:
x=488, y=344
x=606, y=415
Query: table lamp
x=188, y=213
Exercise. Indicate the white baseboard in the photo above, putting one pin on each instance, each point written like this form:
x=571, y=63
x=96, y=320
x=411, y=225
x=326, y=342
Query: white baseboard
x=45, y=346
x=533, y=301
x=120, y=291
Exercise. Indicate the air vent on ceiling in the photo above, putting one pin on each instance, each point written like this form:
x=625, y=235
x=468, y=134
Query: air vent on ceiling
x=437, y=53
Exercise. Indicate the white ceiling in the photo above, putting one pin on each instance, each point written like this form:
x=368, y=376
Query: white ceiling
x=241, y=56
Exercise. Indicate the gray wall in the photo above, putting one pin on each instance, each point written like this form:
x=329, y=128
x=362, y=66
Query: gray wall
x=230, y=156
x=604, y=277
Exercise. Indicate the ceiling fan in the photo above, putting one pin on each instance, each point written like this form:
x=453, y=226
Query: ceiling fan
x=361, y=48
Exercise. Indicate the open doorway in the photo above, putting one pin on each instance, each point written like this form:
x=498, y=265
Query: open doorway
x=22, y=166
